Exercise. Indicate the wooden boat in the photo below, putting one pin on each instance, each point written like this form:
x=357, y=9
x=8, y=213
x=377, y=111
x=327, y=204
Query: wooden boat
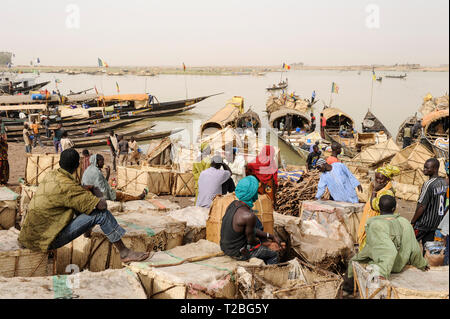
x=49, y=142
x=73, y=129
x=25, y=89
x=409, y=122
x=139, y=137
x=435, y=133
x=226, y=116
x=124, y=112
x=280, y=86
x=354, y=142
x=396, y=76
x=372, y=124
x=300, y=120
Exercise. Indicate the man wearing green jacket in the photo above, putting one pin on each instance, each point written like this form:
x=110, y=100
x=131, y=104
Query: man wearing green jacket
x=391, y=243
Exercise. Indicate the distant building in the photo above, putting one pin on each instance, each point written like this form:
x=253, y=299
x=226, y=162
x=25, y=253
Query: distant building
x=5, y=58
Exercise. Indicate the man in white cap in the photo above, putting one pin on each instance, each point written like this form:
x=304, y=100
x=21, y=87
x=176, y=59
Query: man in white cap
x=339, y=180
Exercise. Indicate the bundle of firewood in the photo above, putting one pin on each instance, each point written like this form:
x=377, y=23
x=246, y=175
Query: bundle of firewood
x=290, y=195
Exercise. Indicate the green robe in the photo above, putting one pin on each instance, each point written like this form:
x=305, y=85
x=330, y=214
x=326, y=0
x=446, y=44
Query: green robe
x=391, y=245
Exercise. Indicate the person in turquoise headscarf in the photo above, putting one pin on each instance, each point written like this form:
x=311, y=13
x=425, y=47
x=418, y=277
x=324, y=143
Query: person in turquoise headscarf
x=240, y=237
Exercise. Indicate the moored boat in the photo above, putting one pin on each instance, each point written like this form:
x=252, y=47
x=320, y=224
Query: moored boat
x=280, y=86
x=372, y=124
x=340, y=128
x=226, y=116
x=435, y=129
x=408, y=123
x=299, y=129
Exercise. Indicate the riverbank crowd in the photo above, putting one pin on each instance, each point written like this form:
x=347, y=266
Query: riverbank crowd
x=65, y=207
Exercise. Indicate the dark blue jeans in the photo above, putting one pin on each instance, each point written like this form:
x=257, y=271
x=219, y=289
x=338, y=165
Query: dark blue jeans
x=83, y=223
x=269, y=256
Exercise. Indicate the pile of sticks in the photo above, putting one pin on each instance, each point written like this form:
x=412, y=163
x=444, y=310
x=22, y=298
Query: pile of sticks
x=290, y=195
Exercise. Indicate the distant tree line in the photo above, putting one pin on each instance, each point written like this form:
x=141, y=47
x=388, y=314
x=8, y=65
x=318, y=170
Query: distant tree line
x=5, y=58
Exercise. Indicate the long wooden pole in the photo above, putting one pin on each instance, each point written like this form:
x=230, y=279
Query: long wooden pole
x=371, y=93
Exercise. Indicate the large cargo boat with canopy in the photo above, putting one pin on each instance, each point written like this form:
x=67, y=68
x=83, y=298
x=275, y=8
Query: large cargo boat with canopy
x=340, y=128
x=293, y=136
x=435, y=129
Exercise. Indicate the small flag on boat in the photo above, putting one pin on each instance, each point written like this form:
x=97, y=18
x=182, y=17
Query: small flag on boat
x=102, y=63
x=184, y=67
x=286, y=67
x=334, y=88
x=117, y=87
x=374, y=77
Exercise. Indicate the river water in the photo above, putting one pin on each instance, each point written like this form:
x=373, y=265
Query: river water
x=393, y=99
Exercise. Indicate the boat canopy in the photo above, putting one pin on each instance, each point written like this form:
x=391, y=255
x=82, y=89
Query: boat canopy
x=299, y=119
x=124, y=97
x=227, y=115
x=330, y=112
x=433, y=117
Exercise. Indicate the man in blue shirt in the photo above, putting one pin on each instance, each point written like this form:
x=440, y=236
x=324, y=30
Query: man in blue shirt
x=339, y=180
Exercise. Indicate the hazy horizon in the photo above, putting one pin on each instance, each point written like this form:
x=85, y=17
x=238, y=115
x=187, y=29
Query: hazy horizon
x=233, y=33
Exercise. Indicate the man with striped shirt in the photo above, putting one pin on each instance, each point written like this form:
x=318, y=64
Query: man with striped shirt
x=431, y=204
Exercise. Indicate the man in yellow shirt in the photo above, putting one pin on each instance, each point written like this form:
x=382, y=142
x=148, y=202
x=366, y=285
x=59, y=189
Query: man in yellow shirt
x=37, y=137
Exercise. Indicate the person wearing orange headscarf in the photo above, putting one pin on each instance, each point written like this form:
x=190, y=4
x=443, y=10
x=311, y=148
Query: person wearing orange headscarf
x=381, y=186
x=265, y=169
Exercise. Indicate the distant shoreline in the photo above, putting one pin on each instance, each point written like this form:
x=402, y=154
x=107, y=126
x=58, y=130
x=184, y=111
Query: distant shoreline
x=213, y=70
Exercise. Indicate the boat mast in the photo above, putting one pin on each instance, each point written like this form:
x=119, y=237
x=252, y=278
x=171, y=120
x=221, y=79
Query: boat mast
x=371, y=91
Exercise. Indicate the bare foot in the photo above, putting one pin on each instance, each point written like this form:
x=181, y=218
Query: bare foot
x=129, y=255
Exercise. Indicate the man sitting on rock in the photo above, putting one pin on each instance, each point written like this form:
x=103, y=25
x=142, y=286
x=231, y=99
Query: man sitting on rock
x=241, y=235
x=50, y=221
x=391, y=243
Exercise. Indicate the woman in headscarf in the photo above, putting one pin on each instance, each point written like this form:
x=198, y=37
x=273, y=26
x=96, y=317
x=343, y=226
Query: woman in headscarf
x=381, y=186
x=265, y=169
x=4, y=164
x=93, y=177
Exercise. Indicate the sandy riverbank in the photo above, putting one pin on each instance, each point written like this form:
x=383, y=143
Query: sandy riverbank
x=214, y=70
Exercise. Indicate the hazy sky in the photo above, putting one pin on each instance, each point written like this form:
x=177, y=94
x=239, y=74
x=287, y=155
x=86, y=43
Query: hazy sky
x=226, y=32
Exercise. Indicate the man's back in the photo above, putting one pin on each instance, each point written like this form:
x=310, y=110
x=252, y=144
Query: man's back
x=231, y=241
x=210, y=184
x=432, y=197
x=391, y=245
